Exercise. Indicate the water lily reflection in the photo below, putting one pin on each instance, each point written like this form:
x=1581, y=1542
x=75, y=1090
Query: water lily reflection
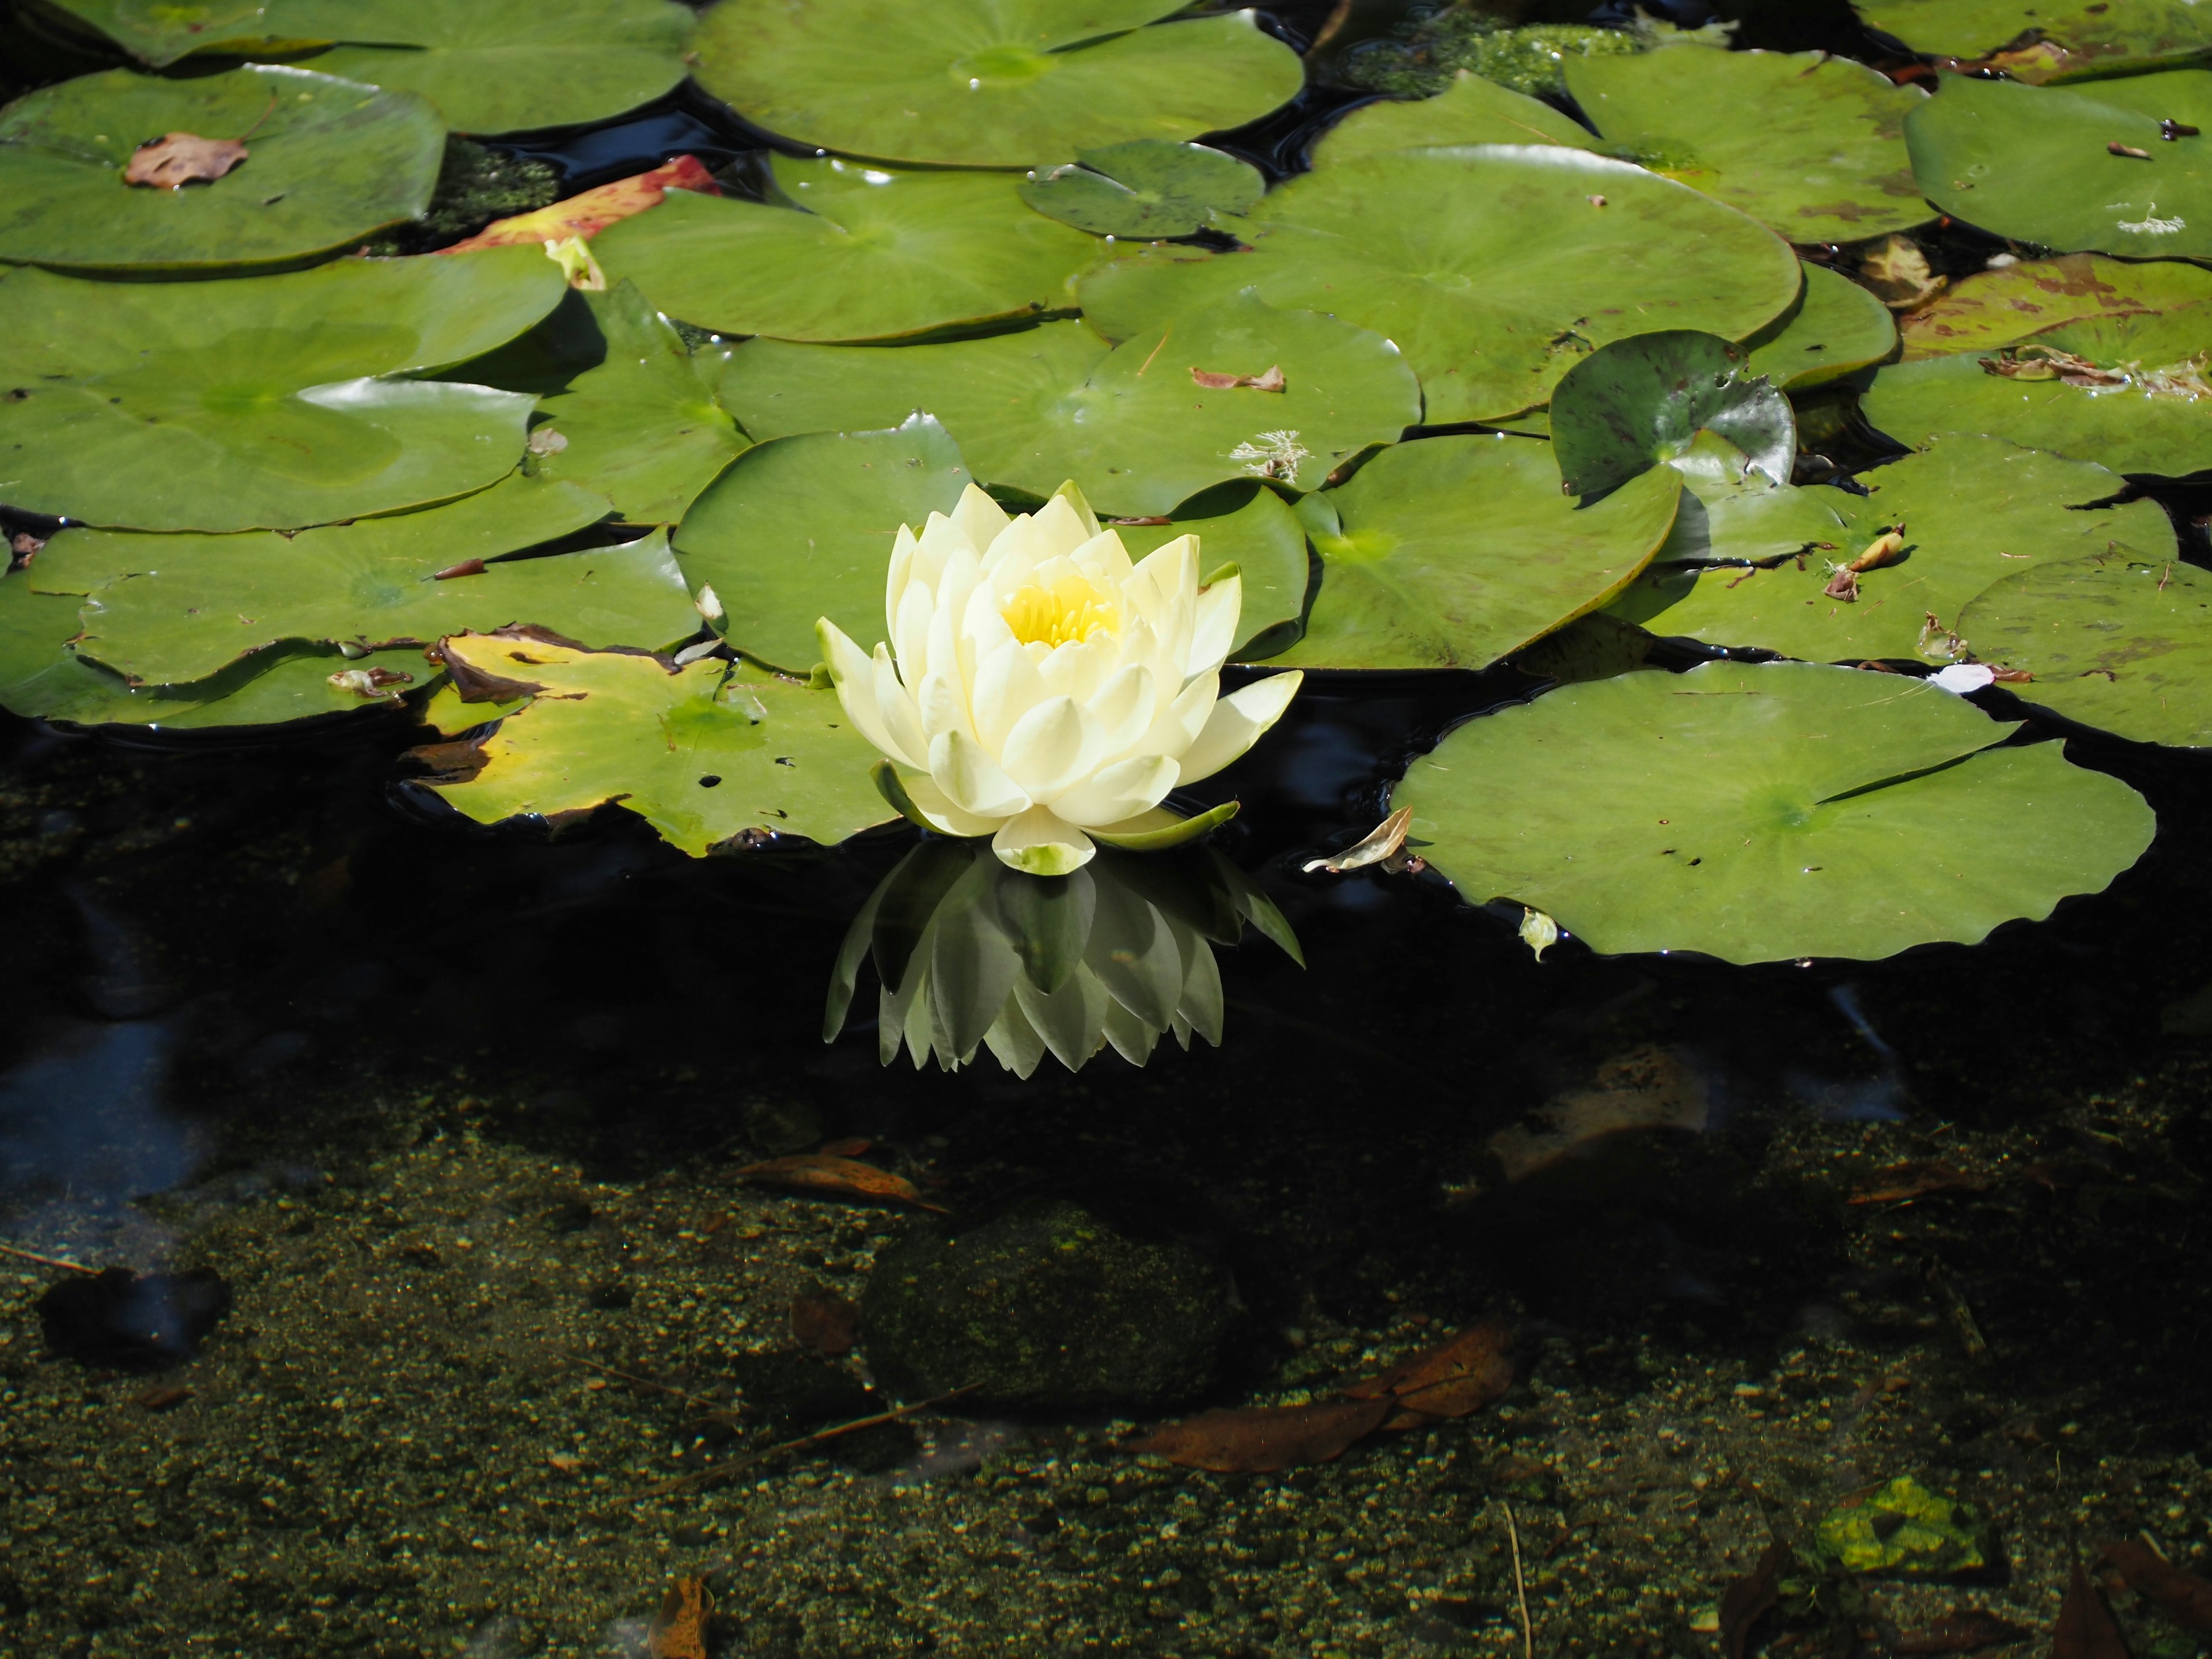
x=973, y=955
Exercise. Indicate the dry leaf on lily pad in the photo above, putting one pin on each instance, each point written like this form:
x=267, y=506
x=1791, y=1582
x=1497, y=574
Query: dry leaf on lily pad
x=1270, y=381
x=177, y=159
x=836, y=1177
x=1453, y=1379
x=1261, y=1439
x=2182, y=1596
x=593, y=210
x=679, y=1629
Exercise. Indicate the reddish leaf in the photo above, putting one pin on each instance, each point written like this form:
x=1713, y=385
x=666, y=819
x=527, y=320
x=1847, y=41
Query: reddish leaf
x=595, y=209
x=1903, y=1181
x=824, y=1322
x=836, y=1177
x=1961, y=1631
x=1746, y=1601
x=1262, y=1439
x=1270, y=381
x=679, y=1629
x=177, y=159
x=2086, y=1630
x=2182, y=1596
x=1452, y=1379
x=851, y=1146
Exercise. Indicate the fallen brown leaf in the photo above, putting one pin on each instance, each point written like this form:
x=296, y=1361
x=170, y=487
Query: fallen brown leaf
x=2011, y=676
x=1376, y=847
x=837, y=1177
x=2181, y=1595
x=1746, y=1601
x=1844, y=585
x=679, y=1629
x=1901, y=1182
x=162, y=1399
x=2085, y=1629
x=592, y=211
x=1261, y=1439
x=824, y=1322
x=1270, y=381
x=1961, y=1631
x=851, y=1146
x=1452, y=1379
x=177, y=159
x=2117, y=148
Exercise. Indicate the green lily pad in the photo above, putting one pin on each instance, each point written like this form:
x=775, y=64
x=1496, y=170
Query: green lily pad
x=1903, y=1529
x=702, y=754
x=328, y=162
x=865, y=254
x=1974, y=511
x=1634, y=403
x=1740, y=518
x=642, y=428
x=1494, y=267
x=1765, y=812
x=160, y=31
x=1836, y=328
x=267, y=402
x=1146, y=187
x=2049, y=42
x=1470, y=111
x=1454, y=552
x=169, y=610
x=1129, y=424
x=989, y=82
x=1993, y=309
x=801, y=528
x=1250, y=526
x=2033, y=163
x=2130, y=428
x=2117, y=641
x=1811, y=146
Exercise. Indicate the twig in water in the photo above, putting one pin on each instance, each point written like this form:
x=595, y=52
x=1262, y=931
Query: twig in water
x=707, y=1477
x=1520, y=1584
x=1154, y=352
x=48, y=1261
x=647, y=1383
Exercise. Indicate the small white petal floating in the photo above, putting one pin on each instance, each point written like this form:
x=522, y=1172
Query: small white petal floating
x=1964, y=676
x=1040, y=689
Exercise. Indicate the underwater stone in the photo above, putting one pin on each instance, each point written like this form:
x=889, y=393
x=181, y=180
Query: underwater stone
x=120, y=1318
x=1050, y=1309
x=1903, y=1529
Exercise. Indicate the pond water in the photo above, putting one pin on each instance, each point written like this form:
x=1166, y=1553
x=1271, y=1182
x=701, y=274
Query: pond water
x=522, y=1303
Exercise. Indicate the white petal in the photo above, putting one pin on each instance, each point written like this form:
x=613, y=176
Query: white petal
x=1050, y=747
x=1080, y=667
x=902, y=720
x=971, y=780
x=910, y=630
x=1236, y=722
x=1176, y=726
x=931, y=803
x=1118, y=792
x=1061, y=529
x=1007, y=686
x=1072, y=495
x=1124, y=707
x=1964, y=676
x=942, y=701
x=1103, y=560
x=1041, y=843
x=979, y=517
x=902, y=572
x=1213, y=629
x=854, y=673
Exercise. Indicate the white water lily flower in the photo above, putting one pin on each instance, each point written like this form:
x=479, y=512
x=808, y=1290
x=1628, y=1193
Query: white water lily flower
x=1042, y=690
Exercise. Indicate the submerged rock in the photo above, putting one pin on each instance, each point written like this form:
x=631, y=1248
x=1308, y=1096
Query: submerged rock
x=135, y=1321
x=1050, y=1309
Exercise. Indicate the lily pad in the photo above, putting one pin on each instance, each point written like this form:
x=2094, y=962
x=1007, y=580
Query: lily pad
x=2037, y=164
x=1836, y=328
x=1260, y=535
x=1738, y=518
x=1765, y=812
x=1454, y=552
x=1993, y=309
x=1495, y=267
x=702, y=754
x=989, y=82
x=2117, y=641
x=267, y=402
x=801, y=528
x=2044, y=41
x=642, y=428
x=1132, y=425
x=167, y=610
x=1974, y=510
x=1903, y=1529
x=1634, y=403
x=328, y=163
x=1146, y=187
x=1472, y=110
x=865, y=254
x=1810, y=145
x=2130, y=428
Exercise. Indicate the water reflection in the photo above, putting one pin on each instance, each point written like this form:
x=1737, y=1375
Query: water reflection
x=971, y=955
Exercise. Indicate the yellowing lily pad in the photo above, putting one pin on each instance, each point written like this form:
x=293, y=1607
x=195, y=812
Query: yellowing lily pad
x=1810, y=145
x=2049, y=40
x=1496, y=268
x=1761, y=813
x=328, y=162
x=987, y=83
x=1994, y=308
x=268, y=402
x=861, y=254
x=703, y=755
x=1454, y=552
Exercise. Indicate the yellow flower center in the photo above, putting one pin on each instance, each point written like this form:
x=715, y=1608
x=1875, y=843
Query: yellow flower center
x=1070, y=609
